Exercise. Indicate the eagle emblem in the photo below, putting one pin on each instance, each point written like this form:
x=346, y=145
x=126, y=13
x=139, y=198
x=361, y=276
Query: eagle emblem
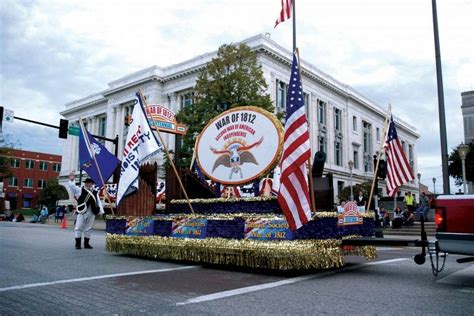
x=234, y=154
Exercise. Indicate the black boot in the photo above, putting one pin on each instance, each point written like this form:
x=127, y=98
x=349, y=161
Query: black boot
x=86, y=243
x=78, y=243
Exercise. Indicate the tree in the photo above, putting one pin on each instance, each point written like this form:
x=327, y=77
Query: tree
x=455, y=165
x=5, y=162
x=230, y=80
x=51, y=193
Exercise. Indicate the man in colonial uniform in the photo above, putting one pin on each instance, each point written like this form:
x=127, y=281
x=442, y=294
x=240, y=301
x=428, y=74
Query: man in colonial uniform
x=88, y=206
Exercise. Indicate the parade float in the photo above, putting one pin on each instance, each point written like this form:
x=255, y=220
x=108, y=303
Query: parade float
x=240, y=146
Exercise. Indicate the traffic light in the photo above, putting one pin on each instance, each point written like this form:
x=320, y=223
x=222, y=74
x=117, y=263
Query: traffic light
x=63, y=128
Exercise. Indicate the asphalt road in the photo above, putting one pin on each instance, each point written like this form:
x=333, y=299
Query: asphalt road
x=42, y=274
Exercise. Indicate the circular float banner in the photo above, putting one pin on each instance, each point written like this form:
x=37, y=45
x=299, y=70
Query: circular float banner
x=239, y=145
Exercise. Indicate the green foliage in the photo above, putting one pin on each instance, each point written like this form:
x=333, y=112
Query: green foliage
x=51, y=193
x=455, y=165
x=5, y=162
x=230, y=80
x=364, y=187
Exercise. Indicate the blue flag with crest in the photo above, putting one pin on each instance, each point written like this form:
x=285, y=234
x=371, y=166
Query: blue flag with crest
x=95, y=159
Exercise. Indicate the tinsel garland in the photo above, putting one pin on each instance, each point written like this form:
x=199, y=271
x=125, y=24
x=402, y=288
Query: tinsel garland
x=369, y=252
x=268, y=216
x=275, y=255
x=225, y=200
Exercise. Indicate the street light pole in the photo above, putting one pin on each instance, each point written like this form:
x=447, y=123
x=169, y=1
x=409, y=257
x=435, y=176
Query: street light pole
x=463, y=150
x=434, y=186
x=351, y=165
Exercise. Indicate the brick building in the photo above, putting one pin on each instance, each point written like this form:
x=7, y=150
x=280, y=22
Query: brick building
x=30, y=171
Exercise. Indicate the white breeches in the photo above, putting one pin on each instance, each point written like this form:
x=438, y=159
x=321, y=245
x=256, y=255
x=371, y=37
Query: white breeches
x=84, y=223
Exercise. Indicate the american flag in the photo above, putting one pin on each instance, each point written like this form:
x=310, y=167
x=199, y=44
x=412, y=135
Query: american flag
x=293, y=196
x=285, y=13
x=398, y=169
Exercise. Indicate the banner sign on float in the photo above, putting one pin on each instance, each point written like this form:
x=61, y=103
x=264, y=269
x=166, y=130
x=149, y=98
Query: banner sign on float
x=239, y=145
x=164, y=119
x=189, y=228
x=267, y=230
x=139, y=226
x=350, y=214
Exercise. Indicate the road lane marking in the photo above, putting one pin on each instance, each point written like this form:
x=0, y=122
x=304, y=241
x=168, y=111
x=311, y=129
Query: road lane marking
x=388, y=248
x=254, y=288
x=98, y=277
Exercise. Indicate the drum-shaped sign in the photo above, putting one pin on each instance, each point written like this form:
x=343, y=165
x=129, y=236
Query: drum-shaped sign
x=239, y=145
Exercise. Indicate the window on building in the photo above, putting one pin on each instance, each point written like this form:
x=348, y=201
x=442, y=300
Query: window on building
x=322, y=144
x=281, y=91
x=338, y=153
x=28, y=183
x=186, y=99
x=377, y=133
x=340, y=186
x=26, y=202
x=43, y=165
x=29, y=164
x=337, y=119
x=367, y=146
x=356, y=158
x=41, y=184
x=404, y=146
x=321, y=112
x=354, y=123
x=15, y=163
x=56, y=167
x=13, y=181
x=102, y=125
x=410, y=155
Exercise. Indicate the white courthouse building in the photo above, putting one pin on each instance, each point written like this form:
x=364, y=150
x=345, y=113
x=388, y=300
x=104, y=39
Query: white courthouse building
x=345, y=124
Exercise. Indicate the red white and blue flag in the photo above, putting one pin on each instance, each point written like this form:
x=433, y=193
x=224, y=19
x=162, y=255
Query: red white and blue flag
x=398, y=169
x=293, y=196
x=285, y=14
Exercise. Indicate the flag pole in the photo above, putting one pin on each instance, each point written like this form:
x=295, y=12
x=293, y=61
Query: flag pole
x=145, y=103
x=294, y=25
x=385, y=129
x=192, y=162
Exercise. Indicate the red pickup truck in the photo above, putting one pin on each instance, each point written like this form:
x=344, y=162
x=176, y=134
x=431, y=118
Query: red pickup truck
x=454, y=218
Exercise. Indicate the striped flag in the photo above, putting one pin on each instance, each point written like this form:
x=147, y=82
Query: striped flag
x=293, y=196
x=285, y=13
x=398, y=169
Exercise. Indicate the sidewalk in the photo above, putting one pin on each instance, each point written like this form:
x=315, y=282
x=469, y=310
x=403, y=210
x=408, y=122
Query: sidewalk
x=99, y=223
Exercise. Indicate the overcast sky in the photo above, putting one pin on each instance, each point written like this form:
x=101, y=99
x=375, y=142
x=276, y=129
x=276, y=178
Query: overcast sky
x=54, y=52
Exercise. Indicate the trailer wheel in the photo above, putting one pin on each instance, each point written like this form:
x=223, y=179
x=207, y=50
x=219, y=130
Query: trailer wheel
x=419, y=259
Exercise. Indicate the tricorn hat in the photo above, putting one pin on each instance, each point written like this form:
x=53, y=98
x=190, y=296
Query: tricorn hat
x=89, y=180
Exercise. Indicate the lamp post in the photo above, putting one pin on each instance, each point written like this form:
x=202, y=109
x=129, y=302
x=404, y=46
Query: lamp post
x=434, y=186
x=419, y=184
x=351, y=165
x=463, y=150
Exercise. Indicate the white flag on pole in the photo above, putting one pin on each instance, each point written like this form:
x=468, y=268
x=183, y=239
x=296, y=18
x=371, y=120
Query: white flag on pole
x=141, y=143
